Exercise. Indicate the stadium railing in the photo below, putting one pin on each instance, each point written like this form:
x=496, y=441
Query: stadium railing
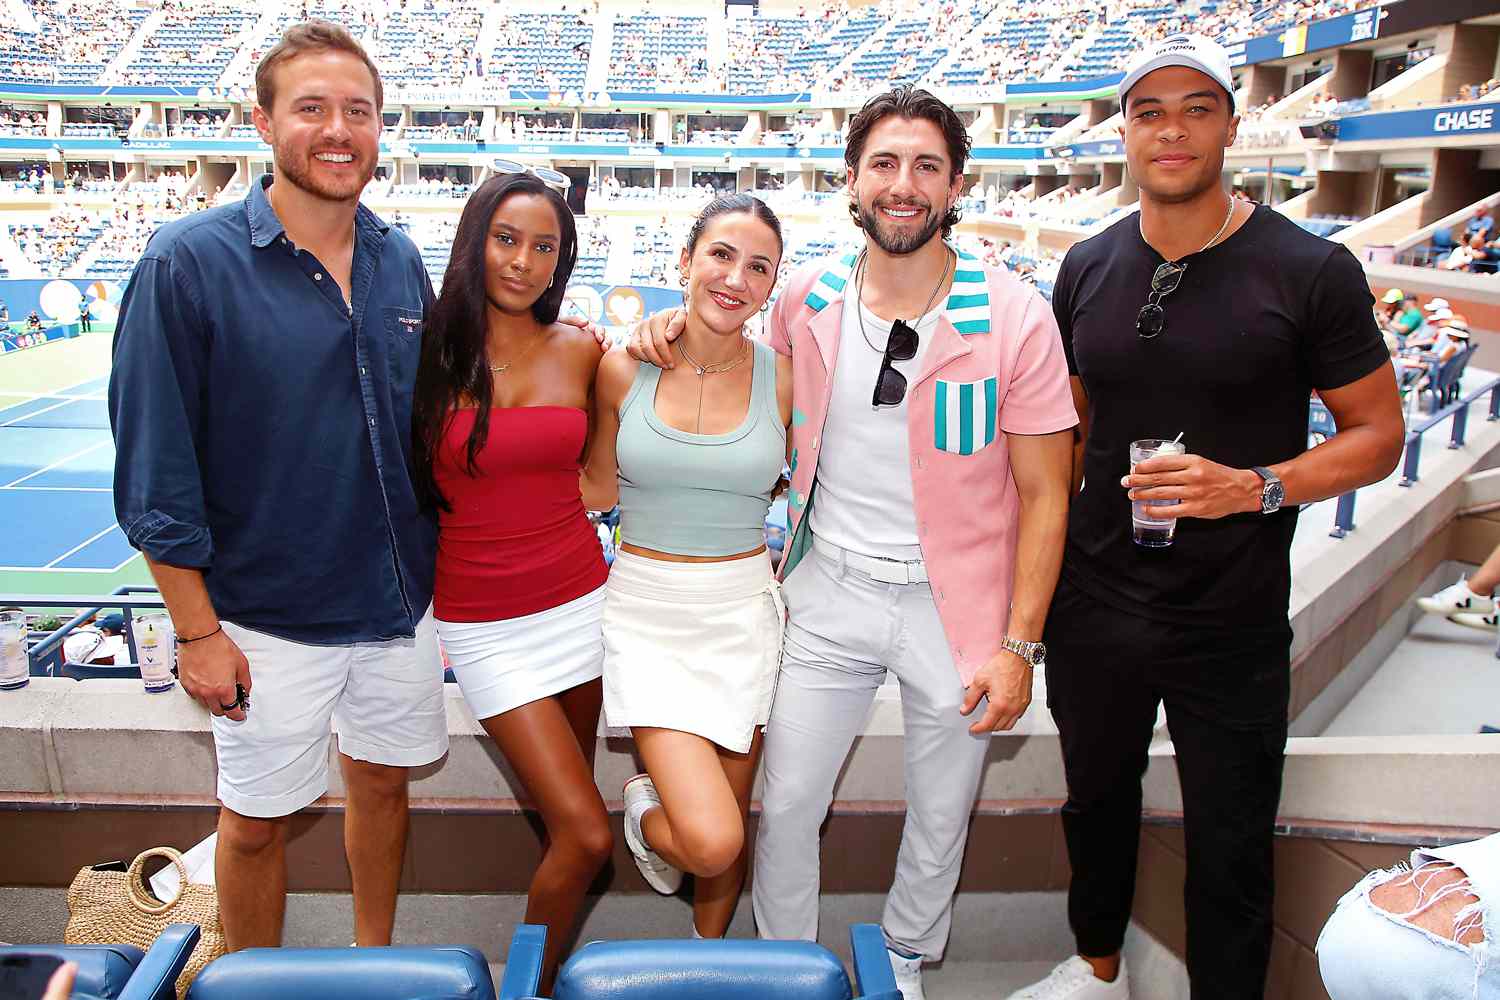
x=1458, y=412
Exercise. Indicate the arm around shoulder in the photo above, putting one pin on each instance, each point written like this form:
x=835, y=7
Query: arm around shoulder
x=600, y=480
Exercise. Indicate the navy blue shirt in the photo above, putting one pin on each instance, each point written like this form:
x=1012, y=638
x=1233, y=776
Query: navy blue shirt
x=263, y=427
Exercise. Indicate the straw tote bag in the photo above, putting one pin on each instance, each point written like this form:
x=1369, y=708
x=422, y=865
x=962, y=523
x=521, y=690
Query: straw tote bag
x=113, y=907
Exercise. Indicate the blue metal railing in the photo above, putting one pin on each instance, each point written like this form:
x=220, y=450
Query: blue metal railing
x=1458, y=410
x=127, y=599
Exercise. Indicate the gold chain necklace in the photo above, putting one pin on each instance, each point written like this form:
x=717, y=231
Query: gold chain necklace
x=718, y=368
x=502, y=369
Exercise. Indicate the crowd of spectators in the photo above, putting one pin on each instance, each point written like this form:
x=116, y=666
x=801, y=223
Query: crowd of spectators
x=1472, y=249
x=191, y=33
x=56, y=244
x=435, y=42
x=22, y=123
x=1005, y=48
x=431, y=43
x=1475, y=91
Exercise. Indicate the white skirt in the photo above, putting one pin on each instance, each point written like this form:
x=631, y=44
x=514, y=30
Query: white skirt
x=694, y=647
x=505, y=664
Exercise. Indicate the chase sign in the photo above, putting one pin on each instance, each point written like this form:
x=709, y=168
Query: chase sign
x=1466, y=120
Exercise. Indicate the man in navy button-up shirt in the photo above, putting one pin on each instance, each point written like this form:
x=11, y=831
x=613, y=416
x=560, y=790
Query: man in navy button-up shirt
x=261, y=405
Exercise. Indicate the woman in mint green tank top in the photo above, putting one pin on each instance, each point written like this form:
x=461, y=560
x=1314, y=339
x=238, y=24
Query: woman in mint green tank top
x=693, y=616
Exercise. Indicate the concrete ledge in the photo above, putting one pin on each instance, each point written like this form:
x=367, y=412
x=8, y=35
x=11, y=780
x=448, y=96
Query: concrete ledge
x=1412, y=781
x=108, y=738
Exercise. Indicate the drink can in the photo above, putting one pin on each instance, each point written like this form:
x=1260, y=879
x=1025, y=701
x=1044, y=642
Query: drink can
x=156, y=651
x=15, y=665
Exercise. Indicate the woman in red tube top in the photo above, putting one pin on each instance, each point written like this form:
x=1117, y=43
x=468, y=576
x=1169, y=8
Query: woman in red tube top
x=500, y=420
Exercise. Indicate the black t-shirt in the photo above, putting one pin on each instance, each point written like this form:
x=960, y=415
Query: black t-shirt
x=1256, y=324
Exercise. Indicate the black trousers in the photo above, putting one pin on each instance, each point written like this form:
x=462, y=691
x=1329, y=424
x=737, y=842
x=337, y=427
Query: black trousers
x=87, y=323
x=1226, y=693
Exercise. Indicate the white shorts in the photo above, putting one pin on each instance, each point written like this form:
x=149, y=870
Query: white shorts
x=505, y=664
x=384, y=699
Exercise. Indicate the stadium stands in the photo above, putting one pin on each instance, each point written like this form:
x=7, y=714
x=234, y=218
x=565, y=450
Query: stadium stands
x=191, y=46
x=650, y=53
x=1018, y=41
x=541, y=51
x=758, y=50
x=431, y=47
x=829, y=38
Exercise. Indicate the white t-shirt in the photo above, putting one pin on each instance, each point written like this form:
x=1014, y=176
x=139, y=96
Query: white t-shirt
x=864, y=498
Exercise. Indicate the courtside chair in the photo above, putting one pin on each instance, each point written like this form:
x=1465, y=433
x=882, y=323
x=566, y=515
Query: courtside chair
x=693, y=970
x=398, y=973
x=121, y=971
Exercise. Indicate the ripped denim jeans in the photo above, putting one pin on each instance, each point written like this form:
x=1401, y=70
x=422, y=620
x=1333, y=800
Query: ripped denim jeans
x=1368, y=953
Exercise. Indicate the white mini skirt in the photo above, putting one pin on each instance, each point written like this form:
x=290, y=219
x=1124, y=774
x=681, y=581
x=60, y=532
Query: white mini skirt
x=694, y=647
x=505, y=664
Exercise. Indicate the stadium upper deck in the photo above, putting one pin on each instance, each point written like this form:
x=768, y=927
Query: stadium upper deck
x=456, y=43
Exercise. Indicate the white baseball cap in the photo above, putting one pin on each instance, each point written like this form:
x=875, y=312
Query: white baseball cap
x=1197, y=52
x=1441, y=315
x=1437, y=304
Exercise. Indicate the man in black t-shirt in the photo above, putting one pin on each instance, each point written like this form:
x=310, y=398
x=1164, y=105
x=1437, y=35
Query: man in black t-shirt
x=1214, y=318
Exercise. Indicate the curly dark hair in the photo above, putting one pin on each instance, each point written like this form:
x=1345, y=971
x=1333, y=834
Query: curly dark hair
x=910, y=103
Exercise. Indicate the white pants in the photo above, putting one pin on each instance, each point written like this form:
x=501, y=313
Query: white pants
x=844, y=632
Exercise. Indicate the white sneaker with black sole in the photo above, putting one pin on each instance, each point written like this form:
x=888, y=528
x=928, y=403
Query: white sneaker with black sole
x=908, y=972
x=640, y=797
x=1457, y=598
x=1074, y=979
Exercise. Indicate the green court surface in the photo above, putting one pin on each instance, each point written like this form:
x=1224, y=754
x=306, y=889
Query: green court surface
x=57, y=528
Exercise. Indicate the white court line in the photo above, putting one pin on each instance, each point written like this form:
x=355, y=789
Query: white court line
x=59, y=489
x=67, y=392
x=60, y=461
x=27, y=397
x=36, y=413
x=83, y=544
x=133, y=557
x=43, y=569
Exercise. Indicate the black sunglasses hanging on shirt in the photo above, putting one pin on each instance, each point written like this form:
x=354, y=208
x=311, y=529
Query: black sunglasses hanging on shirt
x=890, y=384
x=1152, y=319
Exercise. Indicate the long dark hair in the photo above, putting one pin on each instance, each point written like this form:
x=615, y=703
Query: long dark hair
x=455, y=365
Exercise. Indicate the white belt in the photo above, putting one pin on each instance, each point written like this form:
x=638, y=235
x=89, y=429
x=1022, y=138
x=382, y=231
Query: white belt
x=882, y=570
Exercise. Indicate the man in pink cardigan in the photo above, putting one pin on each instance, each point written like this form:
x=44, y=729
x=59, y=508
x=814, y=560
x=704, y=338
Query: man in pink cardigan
x=931, y=450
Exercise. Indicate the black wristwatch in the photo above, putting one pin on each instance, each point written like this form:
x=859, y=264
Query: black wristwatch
x=1272, y=493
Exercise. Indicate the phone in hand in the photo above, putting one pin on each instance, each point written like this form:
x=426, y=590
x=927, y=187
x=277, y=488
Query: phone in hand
x=26, y=976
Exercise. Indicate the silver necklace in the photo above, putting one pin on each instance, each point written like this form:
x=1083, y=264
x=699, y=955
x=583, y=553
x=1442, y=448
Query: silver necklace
x=859, y=294
x=1227, y=216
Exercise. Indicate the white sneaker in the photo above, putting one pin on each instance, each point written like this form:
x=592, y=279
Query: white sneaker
x=1456, y=598
x=908, y=972
x=1469, y=619
x=1075, y=980
x=640, y=797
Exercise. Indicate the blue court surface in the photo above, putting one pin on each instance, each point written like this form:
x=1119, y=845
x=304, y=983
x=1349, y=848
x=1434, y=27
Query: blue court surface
x=56, y=468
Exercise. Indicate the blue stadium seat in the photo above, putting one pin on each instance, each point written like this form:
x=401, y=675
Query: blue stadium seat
x=103, y=969
x=123, y=972
x=101, y=671
x=403, y=973
x=691, y=970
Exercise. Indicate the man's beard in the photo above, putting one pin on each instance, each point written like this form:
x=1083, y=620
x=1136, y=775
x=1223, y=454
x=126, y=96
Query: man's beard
x=298, y=172
x=898, y=243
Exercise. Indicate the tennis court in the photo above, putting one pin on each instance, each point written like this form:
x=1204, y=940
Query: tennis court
x=57, y=522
